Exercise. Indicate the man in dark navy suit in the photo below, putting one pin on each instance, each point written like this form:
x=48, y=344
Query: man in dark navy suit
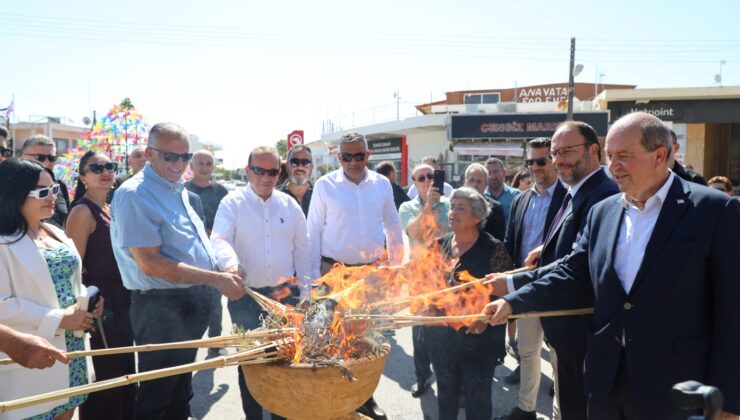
x=576, y=156
x=532, y=213
x=657, y=263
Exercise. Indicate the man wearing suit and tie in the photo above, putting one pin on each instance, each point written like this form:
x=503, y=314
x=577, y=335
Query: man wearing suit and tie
x=657, y=263
x=576, y=156
x=532, y=213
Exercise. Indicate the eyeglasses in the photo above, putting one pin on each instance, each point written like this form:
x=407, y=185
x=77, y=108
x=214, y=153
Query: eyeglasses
x=173, y=157
x=300, y=162
x=6, y=153
x=358, y=157
x=42, y=193
x=541, y=161
x=262, y=171
x=42, y=157
x=425, y=177
x=568, y=150
x=720, y=189
x=98, y=168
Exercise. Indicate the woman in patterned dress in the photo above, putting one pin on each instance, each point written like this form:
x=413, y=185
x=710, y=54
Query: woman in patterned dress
x=39, y=285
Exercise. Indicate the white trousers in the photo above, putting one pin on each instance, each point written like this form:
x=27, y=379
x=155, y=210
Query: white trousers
x=530, y=337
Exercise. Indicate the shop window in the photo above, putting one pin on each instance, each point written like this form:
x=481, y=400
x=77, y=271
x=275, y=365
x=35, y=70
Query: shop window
x=482, y=98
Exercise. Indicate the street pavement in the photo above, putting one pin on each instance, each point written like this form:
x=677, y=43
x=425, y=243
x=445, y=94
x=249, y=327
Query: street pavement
x=216, y=392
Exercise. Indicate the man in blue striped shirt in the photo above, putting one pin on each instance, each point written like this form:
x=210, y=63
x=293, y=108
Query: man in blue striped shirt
x=165, y=259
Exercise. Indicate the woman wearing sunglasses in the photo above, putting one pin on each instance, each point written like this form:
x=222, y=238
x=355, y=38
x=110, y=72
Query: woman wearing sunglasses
x=39, y=285
x=88, y=224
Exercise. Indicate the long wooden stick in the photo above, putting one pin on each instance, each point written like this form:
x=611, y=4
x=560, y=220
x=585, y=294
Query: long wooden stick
x=222, y=341
x=400, y=321
x=399, y=304
x=265, y=353
x=266, y=303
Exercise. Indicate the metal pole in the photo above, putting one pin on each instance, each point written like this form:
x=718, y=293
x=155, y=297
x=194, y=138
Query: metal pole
x=570, y=78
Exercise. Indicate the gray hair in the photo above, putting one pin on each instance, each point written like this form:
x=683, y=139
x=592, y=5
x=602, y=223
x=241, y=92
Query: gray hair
x=352, y=138
x=299, y=148
x=164, y=129
x=38, y=140
x=205, y=152
x=654, y=133
x=478, y=203
x=476, y=167
x=263, y=150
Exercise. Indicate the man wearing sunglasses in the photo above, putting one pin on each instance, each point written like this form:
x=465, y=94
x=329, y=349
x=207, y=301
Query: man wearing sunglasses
x=298, y=185
x=166, y=260
x=260, y=234
x=532, y=212
x=41, y=148
x=576, y=155
x=352, y=219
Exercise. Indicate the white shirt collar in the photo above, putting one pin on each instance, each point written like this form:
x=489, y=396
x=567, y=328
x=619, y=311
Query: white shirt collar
x=574, y=189
x=253, y=195
x=656, y=200
x=342, y=177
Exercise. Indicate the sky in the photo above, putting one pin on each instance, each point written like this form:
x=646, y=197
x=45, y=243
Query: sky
x=244, y=73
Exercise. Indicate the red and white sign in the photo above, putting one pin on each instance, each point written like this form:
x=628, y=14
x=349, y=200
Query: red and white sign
x=295, y=138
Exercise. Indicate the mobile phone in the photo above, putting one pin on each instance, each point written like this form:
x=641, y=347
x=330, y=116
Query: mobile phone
x=439, y=180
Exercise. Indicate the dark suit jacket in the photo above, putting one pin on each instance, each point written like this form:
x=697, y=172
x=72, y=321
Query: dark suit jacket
x=595, y=189
x=513, y=241
x=680, y=318
x=495, y=224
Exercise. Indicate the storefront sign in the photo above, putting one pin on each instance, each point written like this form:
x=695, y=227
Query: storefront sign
x=699, y=111
x=385, y=146
x=518, y=126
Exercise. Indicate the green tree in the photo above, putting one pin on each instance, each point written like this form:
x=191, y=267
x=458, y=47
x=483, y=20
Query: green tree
x=282, y=148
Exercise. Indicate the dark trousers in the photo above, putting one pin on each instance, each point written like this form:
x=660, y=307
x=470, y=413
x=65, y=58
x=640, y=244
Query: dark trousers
x=245, y=313
x=460, y=372
x=623, y=404
x=216, y=318
x=568, y=336
x=117, y=403
x=422, y=358
x=164, y=318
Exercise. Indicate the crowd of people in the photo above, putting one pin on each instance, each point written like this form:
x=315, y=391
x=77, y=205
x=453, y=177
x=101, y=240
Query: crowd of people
x=643, y=244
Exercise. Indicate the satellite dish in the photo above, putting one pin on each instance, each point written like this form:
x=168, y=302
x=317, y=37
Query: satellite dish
x=717, y=78
x=86, y=120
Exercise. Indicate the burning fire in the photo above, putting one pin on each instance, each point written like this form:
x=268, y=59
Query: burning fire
x=423, y=285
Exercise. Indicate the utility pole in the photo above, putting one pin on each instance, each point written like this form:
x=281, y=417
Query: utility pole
x=570, y=78
x=397, y=95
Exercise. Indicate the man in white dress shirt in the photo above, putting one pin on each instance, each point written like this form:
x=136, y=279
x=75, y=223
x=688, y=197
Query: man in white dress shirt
x=352, y=215
x=353, y=219
x=260, y=234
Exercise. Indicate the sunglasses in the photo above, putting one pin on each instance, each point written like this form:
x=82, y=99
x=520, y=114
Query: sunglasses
x=262, y=171
x=300, y=162
x=424, y=177
x=173, y=157
x=42, y=193
x=41, y=157
x=720, y=189
x=6, y=153
x=98, y=168
x=541, y=161
x=358, y=157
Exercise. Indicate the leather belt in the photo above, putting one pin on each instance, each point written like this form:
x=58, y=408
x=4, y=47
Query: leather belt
x=332, y=261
